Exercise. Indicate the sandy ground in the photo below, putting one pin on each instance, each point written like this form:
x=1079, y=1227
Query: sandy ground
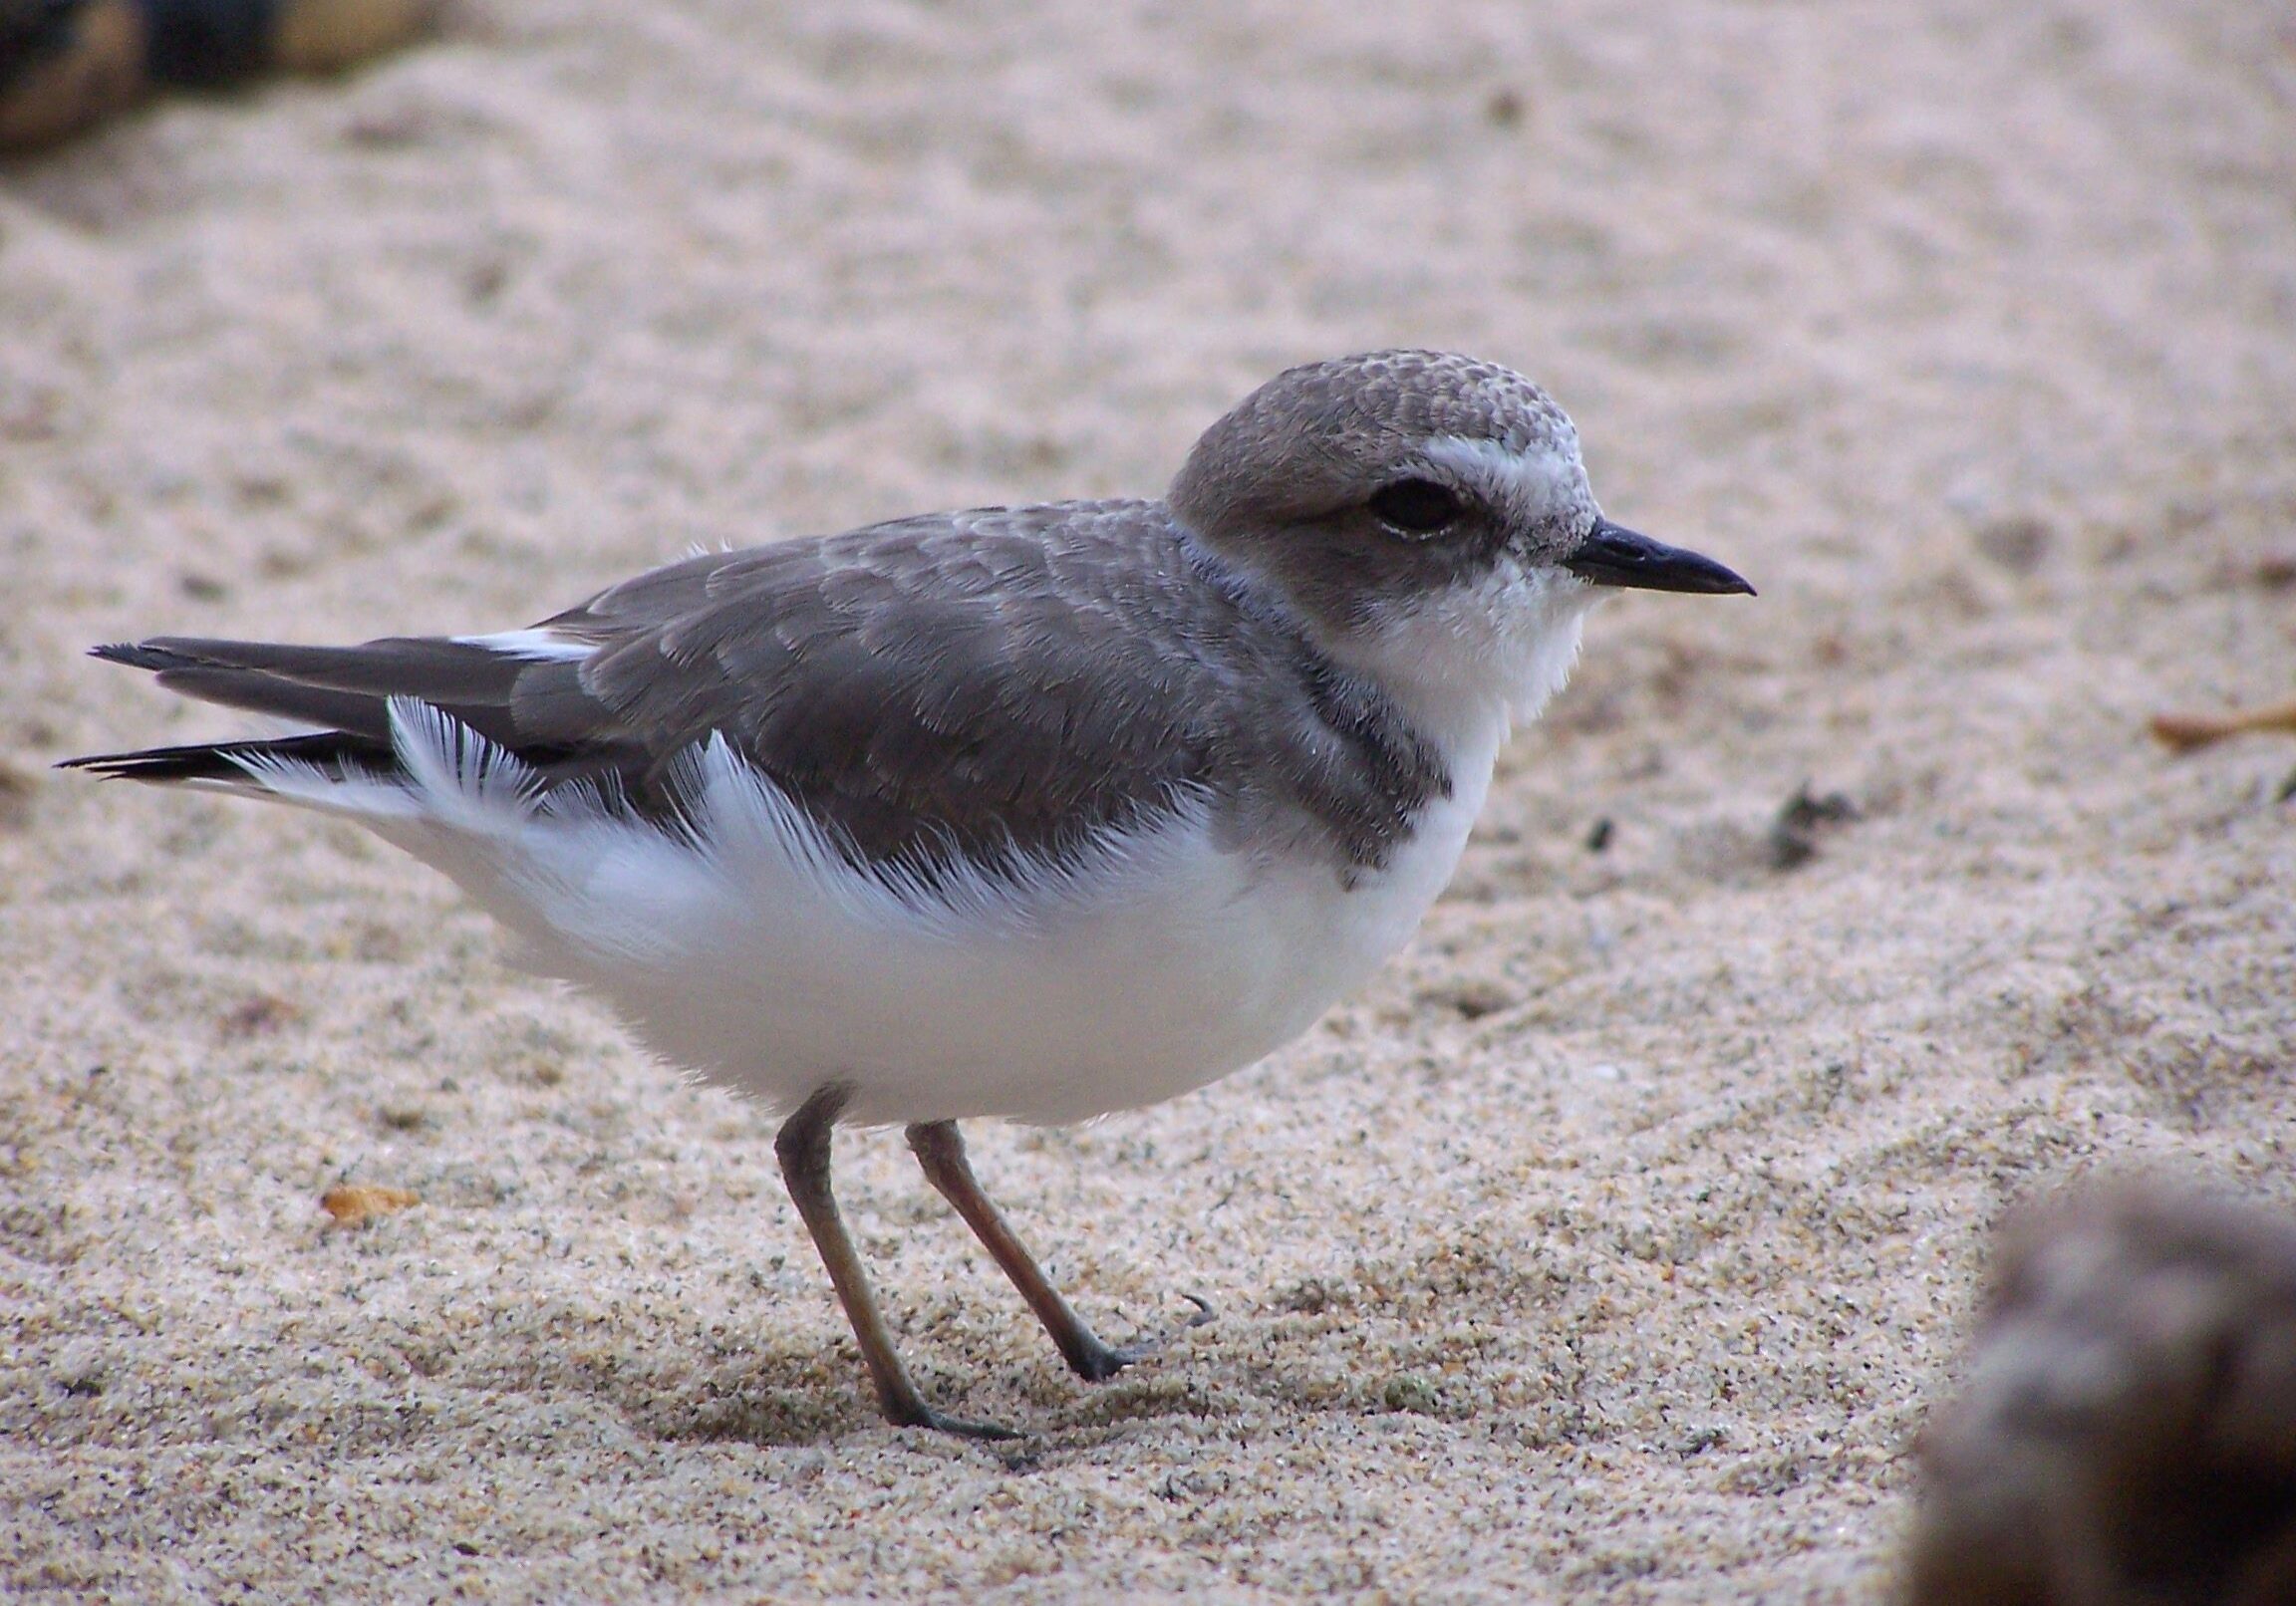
x=1613, y=1245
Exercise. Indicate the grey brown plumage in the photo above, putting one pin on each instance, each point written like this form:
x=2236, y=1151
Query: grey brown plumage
x=999, y=685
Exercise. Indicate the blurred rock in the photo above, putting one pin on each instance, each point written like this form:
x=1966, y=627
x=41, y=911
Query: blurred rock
x=67, y=65
x=2128, y=1431
x=2017, y=544
x=1802, y=819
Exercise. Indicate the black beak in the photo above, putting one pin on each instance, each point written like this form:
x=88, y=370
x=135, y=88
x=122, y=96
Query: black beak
x=1612, y=555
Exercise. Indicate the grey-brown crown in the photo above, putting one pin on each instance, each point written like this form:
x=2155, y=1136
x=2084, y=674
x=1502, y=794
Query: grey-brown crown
x=1286, y=483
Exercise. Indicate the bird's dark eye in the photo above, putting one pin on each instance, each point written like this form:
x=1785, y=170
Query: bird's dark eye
x=1415, y=506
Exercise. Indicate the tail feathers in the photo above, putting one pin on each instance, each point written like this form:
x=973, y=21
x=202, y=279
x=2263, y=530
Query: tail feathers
x=431, y=667
x=518, y=696
x=348, y=689
x=338, y=755
x=355, y=713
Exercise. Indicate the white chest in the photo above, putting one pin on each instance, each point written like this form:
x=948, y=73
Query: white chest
x=769, y=966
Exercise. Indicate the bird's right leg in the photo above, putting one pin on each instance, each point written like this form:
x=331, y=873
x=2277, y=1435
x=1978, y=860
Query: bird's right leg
x=802, y=1145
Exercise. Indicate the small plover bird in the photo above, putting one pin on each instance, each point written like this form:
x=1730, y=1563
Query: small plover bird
x=1030, y=812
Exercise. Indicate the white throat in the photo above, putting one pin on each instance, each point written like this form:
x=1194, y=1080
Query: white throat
x=1471, y=659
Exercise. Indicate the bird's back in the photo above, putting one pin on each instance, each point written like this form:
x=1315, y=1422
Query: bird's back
x=999, y=686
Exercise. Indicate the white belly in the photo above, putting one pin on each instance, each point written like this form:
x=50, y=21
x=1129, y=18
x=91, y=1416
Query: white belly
x=767, y=964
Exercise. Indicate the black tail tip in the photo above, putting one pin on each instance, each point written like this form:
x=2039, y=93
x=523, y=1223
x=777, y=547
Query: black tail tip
x=136, y=654
x=199, y=762
x=127, y=766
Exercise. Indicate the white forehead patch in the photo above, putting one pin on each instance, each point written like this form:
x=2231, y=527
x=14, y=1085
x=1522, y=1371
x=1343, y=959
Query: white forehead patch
x=1542, y=482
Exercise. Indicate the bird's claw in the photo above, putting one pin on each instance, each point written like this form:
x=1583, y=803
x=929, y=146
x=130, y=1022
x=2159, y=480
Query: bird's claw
x=1096, y=1362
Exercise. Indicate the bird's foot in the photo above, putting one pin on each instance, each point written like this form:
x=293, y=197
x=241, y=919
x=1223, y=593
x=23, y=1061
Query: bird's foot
x=1096, y=1362
x=917, y=1413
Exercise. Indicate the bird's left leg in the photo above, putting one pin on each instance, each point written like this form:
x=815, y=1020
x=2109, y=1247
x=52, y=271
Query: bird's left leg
x=940, y=1149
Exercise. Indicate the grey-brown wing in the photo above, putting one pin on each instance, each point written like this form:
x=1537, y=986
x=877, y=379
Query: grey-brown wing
x=988, y=682
x=998, y=683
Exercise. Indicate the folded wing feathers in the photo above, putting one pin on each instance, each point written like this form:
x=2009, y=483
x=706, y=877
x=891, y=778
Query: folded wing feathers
x=436, y=669
x=361, y=697
x=486, y=686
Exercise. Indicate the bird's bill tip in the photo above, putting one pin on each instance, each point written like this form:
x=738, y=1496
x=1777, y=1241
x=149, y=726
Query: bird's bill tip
x=1612, y=555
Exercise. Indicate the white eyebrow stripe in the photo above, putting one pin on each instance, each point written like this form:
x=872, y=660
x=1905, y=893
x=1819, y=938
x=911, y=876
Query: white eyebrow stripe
x=1534, y=484
x=539, y=645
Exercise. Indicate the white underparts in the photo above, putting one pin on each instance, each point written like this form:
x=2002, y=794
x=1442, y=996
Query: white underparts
x=749, y=949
